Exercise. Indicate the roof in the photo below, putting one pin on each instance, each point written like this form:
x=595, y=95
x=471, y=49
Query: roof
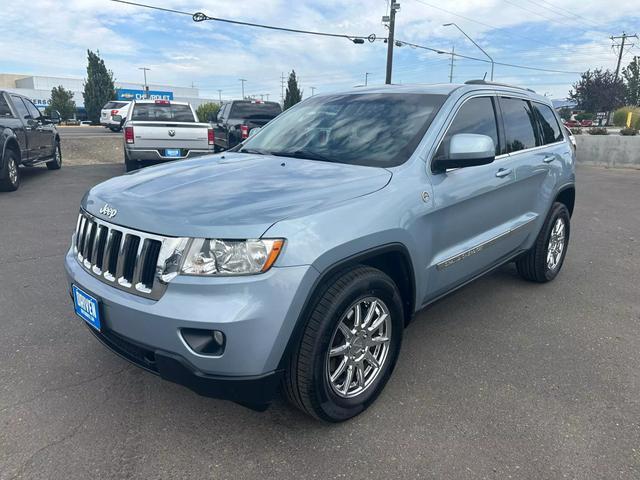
x=444, y=88
x=149, y=100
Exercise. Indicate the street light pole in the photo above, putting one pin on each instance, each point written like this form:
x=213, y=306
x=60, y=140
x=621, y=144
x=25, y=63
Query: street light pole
x=472, y=41
x=146, y=87
x=220, y=96
x=242, y=80
x=313, y=91
x=366, y=78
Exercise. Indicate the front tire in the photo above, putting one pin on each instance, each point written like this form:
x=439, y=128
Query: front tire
x=10, y=178
x=543, y=262
x=56, y=162
x=349, y=345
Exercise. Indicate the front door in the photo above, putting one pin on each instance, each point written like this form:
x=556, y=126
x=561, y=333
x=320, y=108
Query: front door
x=41, y=132
x=473, y=207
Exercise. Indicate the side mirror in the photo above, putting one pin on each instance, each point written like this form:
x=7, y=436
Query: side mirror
x=467, y=150
x=117, y=118
x=253, y=131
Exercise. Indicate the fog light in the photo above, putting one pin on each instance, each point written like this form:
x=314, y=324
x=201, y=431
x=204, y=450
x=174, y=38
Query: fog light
x=204, y=342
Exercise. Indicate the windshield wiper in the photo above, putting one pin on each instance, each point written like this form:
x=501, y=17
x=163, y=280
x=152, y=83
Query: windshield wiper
x=302, y=153
x=257, y=151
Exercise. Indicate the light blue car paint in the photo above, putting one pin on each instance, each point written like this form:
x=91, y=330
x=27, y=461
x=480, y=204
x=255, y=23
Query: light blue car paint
x=453, y=226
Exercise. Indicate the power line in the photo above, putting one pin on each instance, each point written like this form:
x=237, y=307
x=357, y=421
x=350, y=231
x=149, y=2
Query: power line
x=201, y=17
x=512, y=65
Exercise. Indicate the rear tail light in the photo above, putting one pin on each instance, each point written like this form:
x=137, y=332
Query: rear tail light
x=128, y=135
x=114, y=112
x=211, y=136
x=244, y=131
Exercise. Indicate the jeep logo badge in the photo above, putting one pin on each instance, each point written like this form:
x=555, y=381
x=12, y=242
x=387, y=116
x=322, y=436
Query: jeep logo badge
x=108, y=211
x=172, y=133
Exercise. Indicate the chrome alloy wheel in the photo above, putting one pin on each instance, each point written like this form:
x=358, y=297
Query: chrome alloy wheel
x=13, y=171
x=555, y=248
x=359, y=347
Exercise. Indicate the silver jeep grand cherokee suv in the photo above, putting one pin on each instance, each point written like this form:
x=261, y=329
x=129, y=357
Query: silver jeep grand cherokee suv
x=296, y=259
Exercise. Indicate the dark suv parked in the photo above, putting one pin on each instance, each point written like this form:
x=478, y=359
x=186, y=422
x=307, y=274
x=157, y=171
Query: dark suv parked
x=26, y=137
x=237, y=118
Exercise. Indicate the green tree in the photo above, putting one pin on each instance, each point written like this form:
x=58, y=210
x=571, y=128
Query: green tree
x=598, y=91
x=294, y=94
x=98, y=88
x=62, y=101
x=565, y=113
x=207, y=111
x=631, y=74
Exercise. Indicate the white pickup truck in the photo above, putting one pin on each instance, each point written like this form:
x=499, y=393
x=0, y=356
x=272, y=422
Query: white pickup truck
x=162, y=130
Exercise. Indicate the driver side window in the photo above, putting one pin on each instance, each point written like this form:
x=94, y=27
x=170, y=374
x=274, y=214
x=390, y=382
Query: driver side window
x=476, y=115
x=34, y=113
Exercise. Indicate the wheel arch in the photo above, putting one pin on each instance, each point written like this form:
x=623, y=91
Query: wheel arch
x=10, y=143
x=393, y=259
x=567, y=196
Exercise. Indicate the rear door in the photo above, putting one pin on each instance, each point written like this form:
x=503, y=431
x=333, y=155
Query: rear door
x=473, y=207
x=528, y=158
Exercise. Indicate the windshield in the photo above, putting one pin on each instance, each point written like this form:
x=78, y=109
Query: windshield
x=253, y=109
x=162, y=112
x=114, y=105
x=374, y=129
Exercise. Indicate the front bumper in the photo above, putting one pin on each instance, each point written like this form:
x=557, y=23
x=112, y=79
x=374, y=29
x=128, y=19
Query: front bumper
x=256, y=313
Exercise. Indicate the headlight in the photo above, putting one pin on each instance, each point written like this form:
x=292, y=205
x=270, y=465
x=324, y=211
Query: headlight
x=230, y=257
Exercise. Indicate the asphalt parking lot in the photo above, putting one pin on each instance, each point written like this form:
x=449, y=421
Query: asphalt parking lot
x=502, y=379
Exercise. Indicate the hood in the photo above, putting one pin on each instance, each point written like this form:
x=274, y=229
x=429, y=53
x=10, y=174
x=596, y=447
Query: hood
x=229, y=196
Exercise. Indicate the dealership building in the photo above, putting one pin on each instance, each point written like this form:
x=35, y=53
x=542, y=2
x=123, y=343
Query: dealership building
x=38, y=89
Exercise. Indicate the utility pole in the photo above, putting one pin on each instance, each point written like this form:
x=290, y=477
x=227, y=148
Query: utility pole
x=623, y=37
x=473, y=41
x=366, y=78
x=453, y=54
x=220, y=96
x=242, y=80
x=146, y=87
x=267, y=95
x=313, y=91
x=393, y=7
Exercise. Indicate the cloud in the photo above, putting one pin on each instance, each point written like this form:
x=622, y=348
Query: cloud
x=214, y=55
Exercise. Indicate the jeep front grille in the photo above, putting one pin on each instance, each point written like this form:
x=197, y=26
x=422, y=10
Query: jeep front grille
x=124, y=258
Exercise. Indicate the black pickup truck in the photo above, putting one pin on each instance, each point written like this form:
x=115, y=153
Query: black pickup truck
x=26, y=137
x=237, y=118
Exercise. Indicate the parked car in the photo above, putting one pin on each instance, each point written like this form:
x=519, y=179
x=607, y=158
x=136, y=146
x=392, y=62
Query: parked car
x=110, y=111
x=85, y=122
x=236, y=119
x=571, y=123
x=28, y=138
x=586, y=123
x=161, y=130
x=298, y=258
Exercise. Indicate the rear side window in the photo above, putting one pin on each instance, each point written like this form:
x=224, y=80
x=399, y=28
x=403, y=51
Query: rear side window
x=114, y=105
x=20, y=107
x=254, y=110
x=551, y=132
x=162, y=112
x=519, y=124
x=475, y=116
x=5, y=111
x=33, y=110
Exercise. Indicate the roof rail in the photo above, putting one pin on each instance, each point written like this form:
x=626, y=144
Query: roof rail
x=484, y=82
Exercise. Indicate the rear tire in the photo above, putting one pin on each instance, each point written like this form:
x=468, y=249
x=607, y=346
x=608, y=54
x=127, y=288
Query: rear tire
x=56, y=163
x=332, y=373
x=543, y=262
x=10, y=177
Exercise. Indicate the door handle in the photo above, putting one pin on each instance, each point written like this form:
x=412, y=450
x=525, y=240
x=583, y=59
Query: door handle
x=503, y=172
x=549, y=158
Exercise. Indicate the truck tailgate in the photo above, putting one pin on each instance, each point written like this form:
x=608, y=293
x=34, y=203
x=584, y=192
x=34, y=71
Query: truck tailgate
x=155, y=135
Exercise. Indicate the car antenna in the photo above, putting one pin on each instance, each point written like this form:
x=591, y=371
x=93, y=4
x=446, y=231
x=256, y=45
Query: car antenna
x=485, y=76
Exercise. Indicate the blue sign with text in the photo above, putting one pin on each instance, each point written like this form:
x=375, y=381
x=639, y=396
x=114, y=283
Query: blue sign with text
x=129, y=94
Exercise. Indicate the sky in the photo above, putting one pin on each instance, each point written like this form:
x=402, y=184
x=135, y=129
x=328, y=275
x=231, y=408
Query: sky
x=565, y=35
